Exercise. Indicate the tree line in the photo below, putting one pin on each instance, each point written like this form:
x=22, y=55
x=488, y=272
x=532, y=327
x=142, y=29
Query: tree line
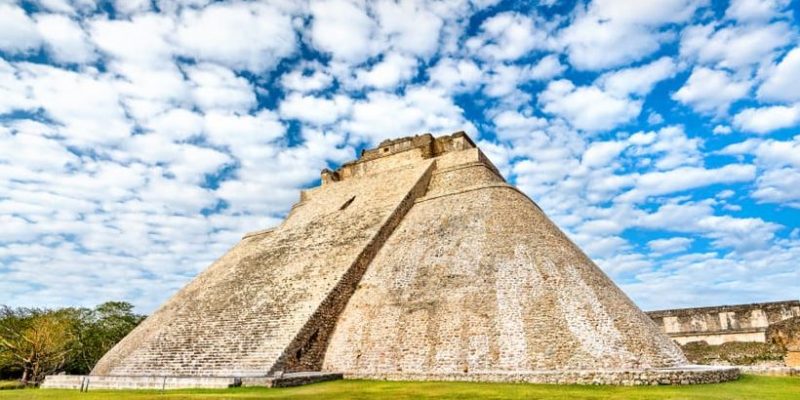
x=35, y=342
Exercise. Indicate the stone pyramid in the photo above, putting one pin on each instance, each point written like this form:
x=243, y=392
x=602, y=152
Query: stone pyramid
x=416, y=261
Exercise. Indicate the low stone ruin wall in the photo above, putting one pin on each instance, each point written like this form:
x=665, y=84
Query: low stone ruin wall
x=723, y=324
x=95, y=382
x=86, y=382
x=770, y=371
x=688, y=375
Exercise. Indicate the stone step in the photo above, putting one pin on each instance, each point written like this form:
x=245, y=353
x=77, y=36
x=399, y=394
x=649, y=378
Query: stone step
x=292, y=379
x=99, y=382
x=92, y=382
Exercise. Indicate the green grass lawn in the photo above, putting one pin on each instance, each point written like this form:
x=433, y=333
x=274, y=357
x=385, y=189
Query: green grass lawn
x=748, y=387
x=9, y=385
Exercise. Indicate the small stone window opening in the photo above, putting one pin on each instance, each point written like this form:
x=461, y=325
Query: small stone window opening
x=347, y=203
x=385, y=149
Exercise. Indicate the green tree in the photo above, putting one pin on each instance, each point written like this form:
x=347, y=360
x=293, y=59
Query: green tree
x=36, y=341
x=97, y=331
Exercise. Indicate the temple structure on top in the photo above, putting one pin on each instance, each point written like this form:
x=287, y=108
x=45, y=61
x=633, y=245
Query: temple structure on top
x=415, y=261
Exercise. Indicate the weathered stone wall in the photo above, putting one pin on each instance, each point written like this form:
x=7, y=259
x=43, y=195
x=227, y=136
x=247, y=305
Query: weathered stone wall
x=416, y=261
x=792, y=359
x=674, y=376
x=717, y=325
x=786, y=334
x=734, y=353
x=477, y=280
x=270, y=302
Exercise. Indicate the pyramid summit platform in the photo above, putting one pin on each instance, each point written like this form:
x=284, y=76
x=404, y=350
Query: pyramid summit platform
x=417, y=261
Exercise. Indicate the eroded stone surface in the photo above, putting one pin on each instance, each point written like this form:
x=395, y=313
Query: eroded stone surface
x=477, y=279
x=417, y=261
x=723, y=324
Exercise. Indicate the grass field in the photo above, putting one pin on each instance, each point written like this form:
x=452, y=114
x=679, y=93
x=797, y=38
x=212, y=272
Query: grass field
x=748, y=387
x=9, y=385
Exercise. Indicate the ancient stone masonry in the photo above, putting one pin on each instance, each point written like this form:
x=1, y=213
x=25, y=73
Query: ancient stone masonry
x=721, y=324
x=416, y=261
x=786, y=334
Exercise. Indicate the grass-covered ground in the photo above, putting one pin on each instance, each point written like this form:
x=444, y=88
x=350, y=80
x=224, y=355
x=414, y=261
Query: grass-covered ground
x=9, y=385
x=748, y=387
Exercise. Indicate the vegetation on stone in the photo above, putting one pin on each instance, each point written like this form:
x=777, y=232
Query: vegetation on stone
x=733, y=353
x=748, y=387
x=35, y=342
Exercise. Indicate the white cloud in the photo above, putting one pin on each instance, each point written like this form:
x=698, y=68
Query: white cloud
x=734, y=46
x=780, y=186
x=655, y=118
x=14, y=94
x=215, y=101
x=508, y=36
x=611, y=33
x=503, y=80
x=88, y=107
x=177, y=124
x=587, y=107
x=669, y=246
x=594, y=45
x=511, y=125
x=600, y=154
x=779, y=165
x=66, y=41
x=670, y=144
x=149, y=90
x=755, y=10
x=685, y=178
x=216, y=87
x=547, y=67
x=767, y=119
x=185, y=162
x=343, y=29
x=251, y=36
x=65, y=6
x=711, y=91
x=382, y=115
x=455, y=75
x=309, y=78
x=388, y=73
x=410, y=26
x=742, y=234
x=17, y=31
x=244, y=135
x=315, y=110
x=24, y=145
x=725, y=194
x=142, y=40
x=654, y=13
x=721, y=130
x=769, y=153
x=782, y=83
x=637, y=80
x=128, y=7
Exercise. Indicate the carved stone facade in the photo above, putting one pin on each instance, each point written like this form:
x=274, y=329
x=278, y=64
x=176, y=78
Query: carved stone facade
x=416, y=261
x=722, y=324
x=786, y=334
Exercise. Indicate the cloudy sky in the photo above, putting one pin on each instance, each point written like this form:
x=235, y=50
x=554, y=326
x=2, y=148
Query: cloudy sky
x=140, y=139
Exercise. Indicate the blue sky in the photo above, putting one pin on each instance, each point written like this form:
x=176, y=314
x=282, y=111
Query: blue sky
x=140, y=139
